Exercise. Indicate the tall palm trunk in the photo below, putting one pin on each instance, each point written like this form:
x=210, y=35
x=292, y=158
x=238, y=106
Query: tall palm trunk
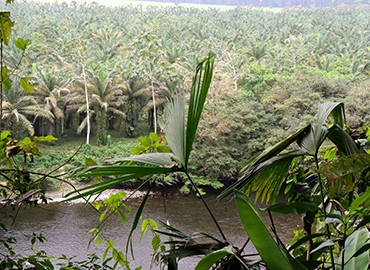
x=87, y=105
x=154, y=109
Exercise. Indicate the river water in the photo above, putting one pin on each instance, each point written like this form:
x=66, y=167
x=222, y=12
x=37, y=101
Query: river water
x=66, y=227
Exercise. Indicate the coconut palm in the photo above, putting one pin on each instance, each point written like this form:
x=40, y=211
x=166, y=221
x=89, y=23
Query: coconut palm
x=106, y=98
x=137, y=95
x=21, y=111
x=50, y=88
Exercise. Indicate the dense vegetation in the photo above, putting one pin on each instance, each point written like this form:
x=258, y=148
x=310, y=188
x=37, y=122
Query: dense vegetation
x=277, y=65
x=267, y=86
x=269, y=3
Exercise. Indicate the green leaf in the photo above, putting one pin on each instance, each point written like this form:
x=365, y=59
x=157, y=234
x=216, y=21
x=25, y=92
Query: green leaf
x=7, y=82
x=22, y=44
x=265, y=178
x=362, y=201
x=145, y=141
x=135, y=223
x=335, y=110
x=6, y=25
x=156, y=242
x=174, y=129
x=327, y=243
x=48, y=138
x=26, y=85
x=319, y=131
x=4, y=134
x=156, y=159
x=277, y=148
x=274, y=256
x=304, y=239
x=343, y=141
x=153, y=137
x=313, y=140
x=90, y=162
x=343, y=174
x=200, y=87
x=333, y=218
x=207, y=261
x=354, y=243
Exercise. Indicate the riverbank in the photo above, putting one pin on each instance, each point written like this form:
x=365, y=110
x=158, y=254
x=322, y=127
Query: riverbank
x=59, y=193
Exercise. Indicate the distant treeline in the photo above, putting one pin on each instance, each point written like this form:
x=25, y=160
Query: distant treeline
x=270, y=3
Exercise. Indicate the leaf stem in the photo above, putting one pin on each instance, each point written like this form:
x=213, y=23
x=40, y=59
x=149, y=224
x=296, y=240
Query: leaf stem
x=206, y=205
x=324, y=210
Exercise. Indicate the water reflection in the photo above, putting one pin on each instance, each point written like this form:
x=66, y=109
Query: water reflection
x=66, y=227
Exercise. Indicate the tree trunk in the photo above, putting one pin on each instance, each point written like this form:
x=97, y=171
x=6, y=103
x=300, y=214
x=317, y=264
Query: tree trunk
x=87, y=106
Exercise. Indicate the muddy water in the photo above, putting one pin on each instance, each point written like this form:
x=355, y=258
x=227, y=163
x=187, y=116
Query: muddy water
x=66, y=227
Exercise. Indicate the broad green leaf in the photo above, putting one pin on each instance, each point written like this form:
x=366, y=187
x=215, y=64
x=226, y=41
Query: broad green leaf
x=22, y=44
x=319, y=131
x=90, y=162
x=353, y=244
x=200, y=87
x=343, y=141
x=361, y=201
x=207, y=261
x=7, y=82
x=313, y=140
x=145, y=141
x=26, y=85
x=153, y=137
x=6, y=25
x=156, y=242
x=4, y=134
x=274, y=256
x=333, y=109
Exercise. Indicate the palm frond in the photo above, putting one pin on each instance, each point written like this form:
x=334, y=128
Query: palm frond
x=201, y=83
x=156, y=159
x=265, y=178
x=175, y=126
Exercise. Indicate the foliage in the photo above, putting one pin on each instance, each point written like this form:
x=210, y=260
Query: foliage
x=230, y=124
x=325, y=193
x=20, y=185
x=275, y=54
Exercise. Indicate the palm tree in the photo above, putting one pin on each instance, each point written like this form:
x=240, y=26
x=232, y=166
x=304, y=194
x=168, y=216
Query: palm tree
x=137, y=96
x=50, y=88
x=21, y=111
x=106, y=98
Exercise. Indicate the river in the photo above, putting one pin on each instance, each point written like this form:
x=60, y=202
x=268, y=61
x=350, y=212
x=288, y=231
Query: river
x=66, y=227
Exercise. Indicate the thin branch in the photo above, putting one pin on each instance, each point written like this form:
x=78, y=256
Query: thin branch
x=324, y=210
x=206, y=205
x=273, y=228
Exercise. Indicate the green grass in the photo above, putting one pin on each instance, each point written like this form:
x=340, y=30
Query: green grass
x=65, y=149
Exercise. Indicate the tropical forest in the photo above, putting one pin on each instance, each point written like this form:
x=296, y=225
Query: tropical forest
x=185, y=135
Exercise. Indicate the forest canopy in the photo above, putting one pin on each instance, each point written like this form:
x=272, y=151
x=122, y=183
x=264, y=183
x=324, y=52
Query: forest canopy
x=273, y=66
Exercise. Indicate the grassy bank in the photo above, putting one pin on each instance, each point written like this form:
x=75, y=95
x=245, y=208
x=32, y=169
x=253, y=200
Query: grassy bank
x=72, y=152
